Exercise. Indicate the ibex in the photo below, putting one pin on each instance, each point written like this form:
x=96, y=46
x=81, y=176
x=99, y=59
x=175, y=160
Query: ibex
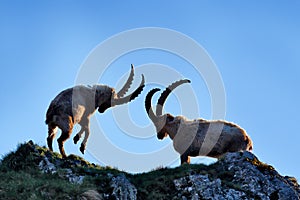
x=77, y=104
x=197, y=137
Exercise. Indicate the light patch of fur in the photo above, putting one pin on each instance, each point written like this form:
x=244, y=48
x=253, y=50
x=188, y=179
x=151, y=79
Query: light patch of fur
x=184, y=135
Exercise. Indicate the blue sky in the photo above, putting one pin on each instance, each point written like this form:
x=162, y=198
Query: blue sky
x=255, y=46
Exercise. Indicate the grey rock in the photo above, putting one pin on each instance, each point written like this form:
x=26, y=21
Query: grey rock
x=201, y=187
x=259, y=179
x=46, y=166
x=123, y=189
x=73, y=178
x=90, y=195
x=250, y=179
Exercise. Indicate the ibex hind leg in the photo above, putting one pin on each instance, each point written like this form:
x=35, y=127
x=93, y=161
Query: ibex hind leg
x=61, y=140
x=185, y=158
x=52, y=130
x=66, y=128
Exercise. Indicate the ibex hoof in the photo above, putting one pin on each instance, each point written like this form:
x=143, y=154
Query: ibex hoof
x=50, y=148
x=82, y=148
x=75, y=139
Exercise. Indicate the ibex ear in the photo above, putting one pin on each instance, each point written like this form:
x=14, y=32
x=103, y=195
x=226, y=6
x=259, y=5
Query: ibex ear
x=170, y=118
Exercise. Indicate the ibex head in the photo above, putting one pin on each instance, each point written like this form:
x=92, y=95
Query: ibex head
x=161, y=121
x=107, y=97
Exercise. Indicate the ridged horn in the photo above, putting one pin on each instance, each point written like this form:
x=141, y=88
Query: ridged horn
x=126, y=86
x=148, y=104
x=165, y=94
x=131, y=96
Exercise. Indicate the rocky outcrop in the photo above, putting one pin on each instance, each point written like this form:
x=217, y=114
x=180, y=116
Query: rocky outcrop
x=201, y=187
x=247, y=179
x=122, y=188
x=235, y=176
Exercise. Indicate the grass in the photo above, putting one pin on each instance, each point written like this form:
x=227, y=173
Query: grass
x=24, y=185
x=263, y=167
x=21, y=178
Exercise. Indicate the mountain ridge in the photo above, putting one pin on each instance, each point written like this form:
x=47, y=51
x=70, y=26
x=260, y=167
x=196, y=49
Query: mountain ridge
x=33, y=172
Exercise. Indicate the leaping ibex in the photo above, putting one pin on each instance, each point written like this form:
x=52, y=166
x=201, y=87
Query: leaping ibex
x=77, y=104
x=197, y=137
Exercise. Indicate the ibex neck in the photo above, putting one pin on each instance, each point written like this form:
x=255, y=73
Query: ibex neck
x=172, y=130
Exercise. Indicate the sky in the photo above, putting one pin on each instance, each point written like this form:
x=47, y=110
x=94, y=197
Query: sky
x=253, y=45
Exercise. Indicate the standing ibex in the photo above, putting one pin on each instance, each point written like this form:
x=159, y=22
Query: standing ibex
x=196, y=137
x=77, y=104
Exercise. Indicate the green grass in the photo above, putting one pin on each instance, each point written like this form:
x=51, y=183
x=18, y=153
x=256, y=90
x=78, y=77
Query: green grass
x=24, y=185
x=20, y=177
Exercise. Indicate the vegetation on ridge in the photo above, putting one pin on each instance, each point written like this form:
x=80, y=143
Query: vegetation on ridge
x=21, y=176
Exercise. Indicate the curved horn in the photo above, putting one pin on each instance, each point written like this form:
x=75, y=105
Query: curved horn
x=165, y=94
x=126, y=86
x=130, y=97
x=148, y=104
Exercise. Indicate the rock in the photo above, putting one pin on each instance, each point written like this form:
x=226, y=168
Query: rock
x=258, y=178
x=201, y=187
x=90, y=195
x=250, y=179
x=46, y=166
x=73, y=178
x=123, y=189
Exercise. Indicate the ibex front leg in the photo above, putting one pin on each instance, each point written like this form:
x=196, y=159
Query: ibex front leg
x=78, y=135
x=85, y=127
